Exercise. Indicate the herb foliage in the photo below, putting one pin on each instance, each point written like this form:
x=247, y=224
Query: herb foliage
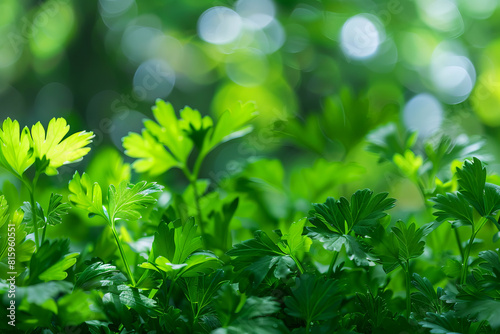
x=184, y=262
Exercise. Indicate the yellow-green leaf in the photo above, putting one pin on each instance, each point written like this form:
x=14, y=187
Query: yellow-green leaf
x=15, y=154
x=56, y=150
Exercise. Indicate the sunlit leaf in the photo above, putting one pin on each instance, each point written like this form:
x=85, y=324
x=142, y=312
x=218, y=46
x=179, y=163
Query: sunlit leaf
x=54, y=148
x=126, y=200
x=15, y=153
x=86, y=195
x=152, y=157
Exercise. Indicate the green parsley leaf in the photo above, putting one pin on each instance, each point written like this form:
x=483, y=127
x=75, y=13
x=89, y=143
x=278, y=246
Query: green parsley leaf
x=54, y=214
x=254, y=259
x=169, y=141
x=126, y=200
x=471, y=181
x=24, y=247
x=86, y=195
x=174, y=252
x=314, y=299
x=454, y=208
x=232, y=124
x=152, y=157
x=333, y=221
x=57, y=151
x=99, y=275
x=51, y=261
x=402, y=244
x=387, y=141
x=15, y=148
x=241, y=314
x=123, y=202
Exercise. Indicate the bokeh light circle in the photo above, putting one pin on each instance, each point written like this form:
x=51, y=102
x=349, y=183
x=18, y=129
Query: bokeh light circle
x=442, y=15
x=452, y=74
x=478, y=9
x=361, y=36
x=273, y=37
x=153, y=79
x=219, y=25
x=423, y=113
x=259, y=12
x=114, y=7
x=136, y=40
x=454, y=82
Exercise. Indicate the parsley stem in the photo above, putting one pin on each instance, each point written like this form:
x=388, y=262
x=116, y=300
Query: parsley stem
x=198, y=208
x=34, y=208
x=459, y=243
x=297, y=262
x=465, y=263
x=33, y=216
x=169, y=291
x=332, y=264
x=122, y=253
x=192, y=177
x=308, y=326
x=43, y=234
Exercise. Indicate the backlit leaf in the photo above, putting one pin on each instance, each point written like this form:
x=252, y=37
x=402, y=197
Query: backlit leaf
x=54, y=148
x=15, y=154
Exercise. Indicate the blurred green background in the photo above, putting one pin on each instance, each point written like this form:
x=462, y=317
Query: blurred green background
x=323, y=75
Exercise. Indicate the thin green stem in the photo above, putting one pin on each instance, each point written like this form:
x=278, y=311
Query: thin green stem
x=43, y=234
x=297, y=262
x=167, y=292
x=465, y=263
x=459, y=243
x=421, y=187
x=197, y=165
x=408, y=294
x=170, y=290
x=33, y=215
x=198, y=208
x=195, y=313
x=122, y=254
x=332, y=264
x=192, y=177
x=34, y=209
x=308, y=326
x=430, y=239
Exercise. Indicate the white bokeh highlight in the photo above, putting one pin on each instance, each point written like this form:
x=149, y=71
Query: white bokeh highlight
x=452, y=74
x=115, y=7
x=479, y=9
x=442, y=15
x=259, y=12
x=219, y=25
x=361, y=36
x=136, y=40
x=153, y=79
x=423, y=113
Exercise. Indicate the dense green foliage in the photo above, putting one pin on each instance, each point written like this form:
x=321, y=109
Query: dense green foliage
x=180, y=264
x=336, y=170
